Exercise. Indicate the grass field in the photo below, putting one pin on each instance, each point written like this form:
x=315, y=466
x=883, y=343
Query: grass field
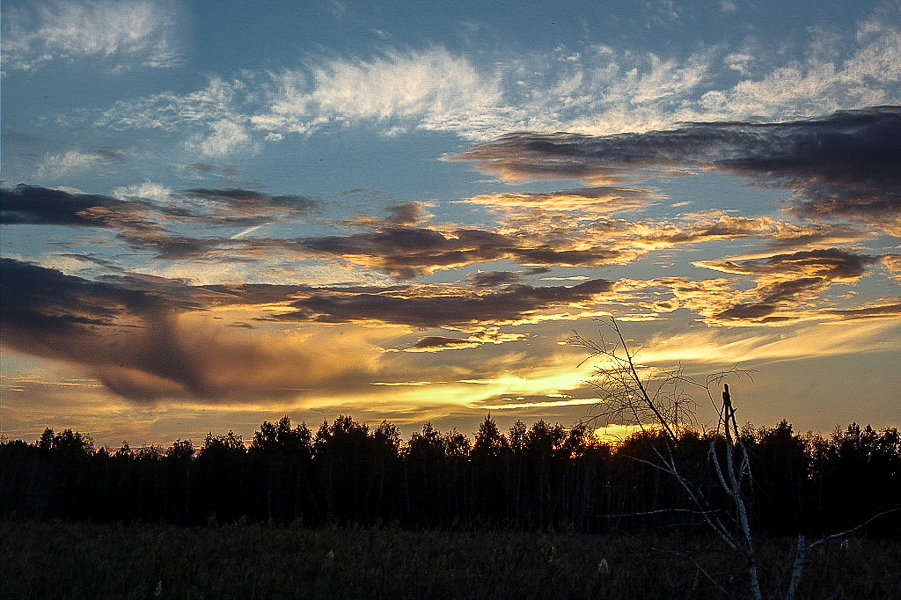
x=71, y=560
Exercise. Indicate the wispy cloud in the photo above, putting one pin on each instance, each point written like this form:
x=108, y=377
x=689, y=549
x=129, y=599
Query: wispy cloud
x=59, y=165
x=113, y=32
x=429, y=89
x=716, y=346
x=598, y=90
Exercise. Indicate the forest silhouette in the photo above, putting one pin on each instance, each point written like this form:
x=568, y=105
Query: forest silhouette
x=539, y=477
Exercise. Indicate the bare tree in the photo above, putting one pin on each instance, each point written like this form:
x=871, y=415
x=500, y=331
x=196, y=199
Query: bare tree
x=663, y=400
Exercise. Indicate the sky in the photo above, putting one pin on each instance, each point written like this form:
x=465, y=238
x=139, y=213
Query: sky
x=219, y=213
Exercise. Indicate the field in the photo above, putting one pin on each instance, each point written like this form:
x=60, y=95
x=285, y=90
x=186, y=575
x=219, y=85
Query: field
x=70, y=560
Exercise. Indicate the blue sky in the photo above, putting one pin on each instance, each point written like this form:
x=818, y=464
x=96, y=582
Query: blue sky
x=213, y=215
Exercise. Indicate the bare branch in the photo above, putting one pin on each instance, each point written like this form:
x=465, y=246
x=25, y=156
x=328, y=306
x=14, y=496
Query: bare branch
x=858, y=527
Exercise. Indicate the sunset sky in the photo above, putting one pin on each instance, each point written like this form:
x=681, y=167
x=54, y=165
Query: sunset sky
x=216, y=213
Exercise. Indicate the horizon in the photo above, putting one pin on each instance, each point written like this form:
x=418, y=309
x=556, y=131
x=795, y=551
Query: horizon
x=612, y=436
x=213, y=217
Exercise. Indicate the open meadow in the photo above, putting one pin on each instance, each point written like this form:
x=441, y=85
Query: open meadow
x=61, y=559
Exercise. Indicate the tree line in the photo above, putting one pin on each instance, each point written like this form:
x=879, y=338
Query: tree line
x=543, y=476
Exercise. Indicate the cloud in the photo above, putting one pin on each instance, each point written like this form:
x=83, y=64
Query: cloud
x=58, y=165
x=718, y=346
x=206, y=170
x=728, y=6
x=224, y=138
x=212, y=117
x=494, y=279
x=840, y=166
x=149, y=217
x=604, y=90
x=139, y=223
x=876, y=311
x=599, y=90
x=407, y=252
x=785, y=289
x=150, y=339
x=434, y=343
x=425, y=89
x=489, y=335
x=408, y=213
x=892, y=262
x=114, y=32
x=244, y=202
x=33, y=205
x=832, y=264
x=146, y=338
x=148, y=190
x=453, y=308
x=592, y=201
x=787, y=285
x=152, y=218
x=217, y=102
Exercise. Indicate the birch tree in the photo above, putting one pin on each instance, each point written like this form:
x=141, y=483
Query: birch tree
x=666, y=401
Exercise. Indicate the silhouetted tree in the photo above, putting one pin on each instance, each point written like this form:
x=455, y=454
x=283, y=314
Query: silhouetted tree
x=220, y=477
x=281, y=463
x=542, y=445
x=780, y=465
x=424, y=457
x=490, y=459
x=543, y=476
x=340, y=452
x=383, y=496
x=659, y=399
x=179, y=462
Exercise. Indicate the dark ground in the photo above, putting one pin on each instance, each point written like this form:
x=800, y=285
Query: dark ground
x=61, y=559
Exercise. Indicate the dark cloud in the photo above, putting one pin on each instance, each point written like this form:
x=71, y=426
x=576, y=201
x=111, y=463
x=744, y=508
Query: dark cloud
x=411, y=251
x=492, y=279
x=407, y=252
x=392, y=245
x=453, y=309
x=33, y=205
x=129, y=333
x=869, y=312
x=252, y=293
x=786, y=281
x=151, y=226
x=845, y=165
x=752, y=312
x=548, y=255
x=250, y=200
x=147, y=338
x=48, y=313
x=829, y=264
x=206, y=169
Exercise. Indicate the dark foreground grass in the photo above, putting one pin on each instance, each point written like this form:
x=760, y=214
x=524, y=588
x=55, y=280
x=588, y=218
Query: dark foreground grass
x=71, y=560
